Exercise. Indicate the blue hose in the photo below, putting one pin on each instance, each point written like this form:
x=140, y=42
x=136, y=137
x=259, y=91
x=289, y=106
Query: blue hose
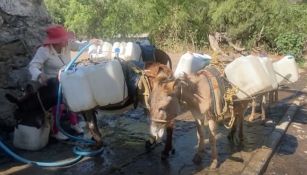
x=78, y=151
x=60, y=99
x=42, y=164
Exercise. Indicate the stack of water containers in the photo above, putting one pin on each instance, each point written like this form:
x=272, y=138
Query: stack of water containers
x=127, y=51
x=253, y=75
x=191, y=63
x=94, y=85
x=101, y=52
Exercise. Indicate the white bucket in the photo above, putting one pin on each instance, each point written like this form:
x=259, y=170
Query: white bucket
x=248, y=74
x=31, y=138
x=76, y=90
x=191, y=63
x=286, y=70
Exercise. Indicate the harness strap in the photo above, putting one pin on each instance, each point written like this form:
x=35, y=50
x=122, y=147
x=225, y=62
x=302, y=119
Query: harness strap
x=245, y=93
x=208, y=75
x=41, y=103
x=143, y=83
x=159, y=120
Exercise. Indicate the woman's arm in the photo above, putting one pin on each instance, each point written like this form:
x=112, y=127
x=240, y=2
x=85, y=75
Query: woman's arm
x=37, y=63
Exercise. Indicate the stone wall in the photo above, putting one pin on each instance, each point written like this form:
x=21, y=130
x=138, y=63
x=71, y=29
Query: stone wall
x=22, y=24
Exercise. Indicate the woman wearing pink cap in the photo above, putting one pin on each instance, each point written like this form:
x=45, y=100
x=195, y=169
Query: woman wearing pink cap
x=49, y=59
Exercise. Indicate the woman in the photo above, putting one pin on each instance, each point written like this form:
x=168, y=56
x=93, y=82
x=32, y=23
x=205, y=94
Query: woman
x=49, y=59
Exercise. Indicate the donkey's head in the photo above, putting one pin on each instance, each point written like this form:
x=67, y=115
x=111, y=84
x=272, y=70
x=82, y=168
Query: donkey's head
x=164, y=103
x=29, y=110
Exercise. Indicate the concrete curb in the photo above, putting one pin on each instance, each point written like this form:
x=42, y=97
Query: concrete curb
x=262, y=157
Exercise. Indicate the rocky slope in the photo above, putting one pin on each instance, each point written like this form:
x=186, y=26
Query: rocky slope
x=22, y=25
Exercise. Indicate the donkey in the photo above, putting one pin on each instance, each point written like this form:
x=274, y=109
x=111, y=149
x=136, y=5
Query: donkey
x=32, y=106
x=199, y=94
x=31, y=110
x=163, y=58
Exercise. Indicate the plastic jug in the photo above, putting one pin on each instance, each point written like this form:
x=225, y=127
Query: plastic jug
x=106, y=50
x=191, y=63
x=286, y=70
x=248, y=74
x=133, y=52
x=107, y=83
x=268, y=67
x=121, y=47
x=76, y=90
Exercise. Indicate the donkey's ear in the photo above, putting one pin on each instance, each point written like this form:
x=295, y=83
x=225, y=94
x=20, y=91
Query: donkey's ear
x=161, y=75
x=170, y=87
x=11, y=98
x=29, y=89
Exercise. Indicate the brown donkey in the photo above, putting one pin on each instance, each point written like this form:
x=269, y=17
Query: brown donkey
x=165, y=101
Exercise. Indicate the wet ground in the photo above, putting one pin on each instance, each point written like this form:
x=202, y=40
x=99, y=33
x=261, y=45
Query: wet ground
x=125, y=135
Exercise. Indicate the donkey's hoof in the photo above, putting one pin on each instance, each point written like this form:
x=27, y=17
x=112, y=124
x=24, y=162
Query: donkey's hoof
x=213, y=164
x=148, y=145
x=164, y=155
x=197, y=158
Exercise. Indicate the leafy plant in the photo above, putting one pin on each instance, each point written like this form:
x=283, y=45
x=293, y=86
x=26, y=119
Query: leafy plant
x=290, y=43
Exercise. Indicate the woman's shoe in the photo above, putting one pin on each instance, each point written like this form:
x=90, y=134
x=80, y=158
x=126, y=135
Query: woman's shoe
x=77, y=128
x=60, y=136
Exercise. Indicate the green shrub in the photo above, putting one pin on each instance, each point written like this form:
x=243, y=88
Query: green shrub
x=290, y=43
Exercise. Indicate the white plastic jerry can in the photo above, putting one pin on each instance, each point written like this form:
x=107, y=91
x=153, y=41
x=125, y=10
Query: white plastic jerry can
x=76, y=90
x=122, y=49
x=286, y=70
x=268, y=67
x=191, y=63
x=133, y=52
x=248, y=74
x=106, y=50
x=116, y=45
x=107, y=83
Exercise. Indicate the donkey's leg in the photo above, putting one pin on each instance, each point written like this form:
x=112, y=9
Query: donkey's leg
x=252, y=115
x=231, y=135
x=91, y=120
x=241, y=113
x=263, y=108
x=169, y=140
x=200, y=136
x=212, y=140
x=275, y=95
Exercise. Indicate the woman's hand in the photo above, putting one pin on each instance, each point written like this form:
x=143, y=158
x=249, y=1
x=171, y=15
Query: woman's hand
x=42, y=79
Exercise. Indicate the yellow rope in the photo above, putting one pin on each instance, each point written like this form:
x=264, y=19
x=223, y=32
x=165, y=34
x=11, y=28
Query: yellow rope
x=143, y=84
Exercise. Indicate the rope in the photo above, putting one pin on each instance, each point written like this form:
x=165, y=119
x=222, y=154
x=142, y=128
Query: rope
x=41, y=103
x=283, y=77
x=237, y=88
